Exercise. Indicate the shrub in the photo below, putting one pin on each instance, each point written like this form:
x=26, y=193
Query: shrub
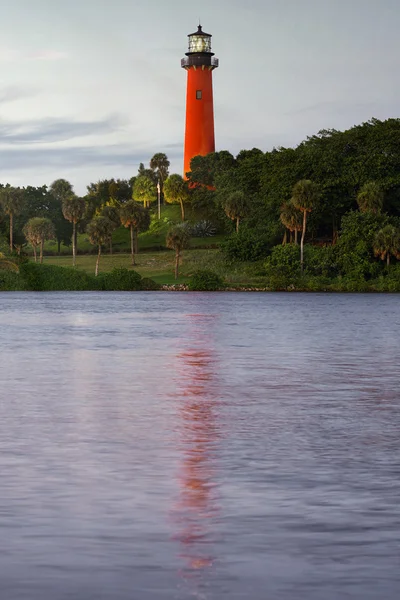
x=205, y=281
x=283, y=266
x=119, y=280
x=51, y=278
x=149, y=284
x=11, y=282
x=320, y=261
x=247, y=245
x=202, y=229
x=355, y=254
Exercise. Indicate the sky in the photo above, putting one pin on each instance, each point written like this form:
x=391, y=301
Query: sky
x=91, y=88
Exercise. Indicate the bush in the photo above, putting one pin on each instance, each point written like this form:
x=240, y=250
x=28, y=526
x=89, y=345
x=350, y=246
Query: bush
x=205, y=281
x=11, y=282
x=41, y=278
x=354, y=249
x=149, y=284
x=283, y=266
x=247, y=245
x=49, y=278
x=119, y=280
x=202, y=229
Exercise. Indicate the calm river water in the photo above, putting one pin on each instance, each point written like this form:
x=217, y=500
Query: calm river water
x=175, y=446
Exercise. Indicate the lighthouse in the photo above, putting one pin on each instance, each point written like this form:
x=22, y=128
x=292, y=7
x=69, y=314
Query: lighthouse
x=199, y=63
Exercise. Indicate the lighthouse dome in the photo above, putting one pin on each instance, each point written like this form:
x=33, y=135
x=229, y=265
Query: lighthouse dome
x=199, y=42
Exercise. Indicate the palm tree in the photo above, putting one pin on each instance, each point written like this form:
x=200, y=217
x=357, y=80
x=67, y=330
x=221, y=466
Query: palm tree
x=112, y=213
x=305, y=198
x=160, y=165
x=137, y=218
x=61, y=189
x=37, y=230
x=176, y=190
x=236, y=207
x=386, y=243
x=73, y=210
x=144, y=190
x=291, y=218
x=99, y=230
x=178, y=239
x=370, y=198
x=12, y=201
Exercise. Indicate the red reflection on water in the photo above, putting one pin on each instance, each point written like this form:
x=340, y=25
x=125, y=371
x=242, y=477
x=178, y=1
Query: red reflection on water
x=196, y=507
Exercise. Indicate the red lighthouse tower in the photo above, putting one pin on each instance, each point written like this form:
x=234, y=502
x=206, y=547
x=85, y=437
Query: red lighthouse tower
x=199, y=64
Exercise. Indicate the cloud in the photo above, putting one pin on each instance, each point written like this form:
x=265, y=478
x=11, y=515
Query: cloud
x=331, y=108
x=67, y=158
x=14, y=92
x=47, y=55
x=47, y=130
x=10, y=55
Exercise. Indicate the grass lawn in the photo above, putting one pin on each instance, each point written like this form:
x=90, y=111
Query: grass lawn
x=154, y=260
x=160, y=265
x=153, y=239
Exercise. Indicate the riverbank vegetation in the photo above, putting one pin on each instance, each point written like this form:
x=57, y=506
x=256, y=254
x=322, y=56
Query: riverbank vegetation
x=324, y=216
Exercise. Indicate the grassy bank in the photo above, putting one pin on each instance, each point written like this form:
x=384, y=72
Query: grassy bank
x=159, y=266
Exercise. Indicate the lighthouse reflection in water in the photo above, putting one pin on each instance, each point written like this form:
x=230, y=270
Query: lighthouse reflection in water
x=196, y=510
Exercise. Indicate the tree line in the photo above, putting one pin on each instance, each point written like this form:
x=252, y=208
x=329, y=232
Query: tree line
x=336, y=189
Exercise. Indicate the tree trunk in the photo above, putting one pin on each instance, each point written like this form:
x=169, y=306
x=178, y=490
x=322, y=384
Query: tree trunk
x=182, y=211
x=34, y=253
x=302, y=241
x=388, y=260
x=136, y=241
x=111, y=245
x=132, y=246
x=284, y=241
x=237, y=224
x=295, y=236
x=11, y=232
x=334, y=231
x=177, y=256
x=98, y=261
x=59, y=246
x=41, y=251
x=73, y=244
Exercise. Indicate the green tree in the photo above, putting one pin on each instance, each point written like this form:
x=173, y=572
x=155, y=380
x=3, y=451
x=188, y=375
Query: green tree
x=73, y=210
x=178, y=239
x=61, y=189
x=291, y=218
x=305, y=198
x=237, y=207
x=370, y=198
x=37, y=230
x=355, y=247
x=12, y=202
x=387, y=243
x=99, y=231
x=144, y=190
x=137, y=218
x=160, y=165
x=112, y=213
x=149, y=173
x=176, y=190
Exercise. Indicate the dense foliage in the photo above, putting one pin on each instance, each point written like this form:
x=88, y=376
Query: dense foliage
x=205, y=281
x=324, y=213
x=45, y=278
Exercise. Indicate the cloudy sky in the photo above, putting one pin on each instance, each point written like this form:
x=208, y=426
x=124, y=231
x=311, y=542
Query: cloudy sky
x=90, y=88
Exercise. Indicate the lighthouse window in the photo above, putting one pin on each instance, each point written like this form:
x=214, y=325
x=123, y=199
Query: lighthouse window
x=199, y=95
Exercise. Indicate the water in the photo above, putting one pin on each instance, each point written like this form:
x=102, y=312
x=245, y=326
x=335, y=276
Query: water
x=174, y=446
